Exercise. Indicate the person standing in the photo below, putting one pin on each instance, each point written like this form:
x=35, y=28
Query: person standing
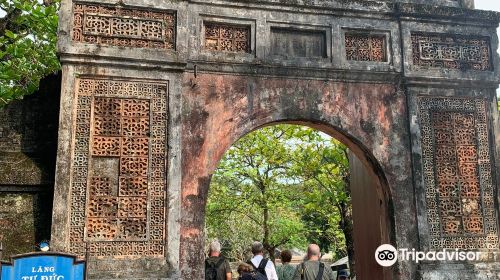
x=285, y=271
x=216, y=266
x=261, y=264
x=312, y=268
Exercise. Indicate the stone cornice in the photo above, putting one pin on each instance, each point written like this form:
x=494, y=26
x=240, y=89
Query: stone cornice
x=422, y=11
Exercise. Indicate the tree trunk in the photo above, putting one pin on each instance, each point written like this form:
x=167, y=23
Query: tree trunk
x=265, y=242
x=265, y=225
x=346, y=225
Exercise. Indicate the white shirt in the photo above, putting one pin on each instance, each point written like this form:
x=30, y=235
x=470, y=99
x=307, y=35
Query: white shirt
x=270, y=270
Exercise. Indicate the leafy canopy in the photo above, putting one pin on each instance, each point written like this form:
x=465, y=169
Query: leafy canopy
x=281, y=185
x=28, y=36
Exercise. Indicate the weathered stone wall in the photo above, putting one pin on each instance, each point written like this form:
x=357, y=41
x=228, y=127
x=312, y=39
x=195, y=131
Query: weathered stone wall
x=28, y=143
x=24, y=221
x=408, y=86
x=28, y=137
x=219, y=109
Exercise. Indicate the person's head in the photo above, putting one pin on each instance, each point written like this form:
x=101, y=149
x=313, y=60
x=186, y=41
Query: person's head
x=342, y=275
x=244, y=267
x=257, y=248
x=286, y=256
x=214, y=249
x=313, y=252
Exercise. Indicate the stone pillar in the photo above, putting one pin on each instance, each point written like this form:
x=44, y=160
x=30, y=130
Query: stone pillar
x=117, y=181
x=153, y=92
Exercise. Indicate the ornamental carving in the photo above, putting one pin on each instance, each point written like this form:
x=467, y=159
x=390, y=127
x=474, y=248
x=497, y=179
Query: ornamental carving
x=224, y=37
x=118, y=181
x=451, y=51
x=457, y=173
x=123, y=27
x=365, y=47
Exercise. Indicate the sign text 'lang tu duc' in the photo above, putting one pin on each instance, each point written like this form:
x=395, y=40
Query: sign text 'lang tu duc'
x=43, y=266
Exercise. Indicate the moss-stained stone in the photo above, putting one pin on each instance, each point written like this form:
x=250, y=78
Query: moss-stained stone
x=24, y=221
x=18, y=168
x=28, y=137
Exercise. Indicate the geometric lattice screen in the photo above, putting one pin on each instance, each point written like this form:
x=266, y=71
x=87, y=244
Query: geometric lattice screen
x=225, y=37
x=458, y=173
x=365, y=47
x=119, y=179
x=107, y=25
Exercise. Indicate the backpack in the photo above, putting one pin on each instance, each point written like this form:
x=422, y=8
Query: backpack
x=254, y=275
x=320, y=272
x=211, y=269
x=259, y=273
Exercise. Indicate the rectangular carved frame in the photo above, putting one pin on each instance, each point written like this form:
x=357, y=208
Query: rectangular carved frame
x=115, y=25
x=305, y=28
x=151, y=96
x=476, y=110
x=208, y=19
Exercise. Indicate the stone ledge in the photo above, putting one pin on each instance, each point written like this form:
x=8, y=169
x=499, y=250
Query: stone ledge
x=298, y=72
x=364, y=5
x=423, y=11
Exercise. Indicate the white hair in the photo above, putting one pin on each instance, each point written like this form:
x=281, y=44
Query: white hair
x=215, y=246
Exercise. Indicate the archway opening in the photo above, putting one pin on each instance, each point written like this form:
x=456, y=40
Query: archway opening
x=289, y=185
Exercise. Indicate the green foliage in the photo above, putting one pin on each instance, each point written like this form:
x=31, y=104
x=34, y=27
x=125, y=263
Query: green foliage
x=498, y=100
x=28, y=36
x=281, y=185
x=324, y=169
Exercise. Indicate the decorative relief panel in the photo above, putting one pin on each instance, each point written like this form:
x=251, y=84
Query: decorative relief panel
x=224, y=37
x=118, y=189
x=365, y=47
x=291, y=43
x=451, y=51
x=458, y=173
x=124, y=27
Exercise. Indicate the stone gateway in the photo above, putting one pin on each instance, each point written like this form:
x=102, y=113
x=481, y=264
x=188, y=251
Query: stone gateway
x=154, y=92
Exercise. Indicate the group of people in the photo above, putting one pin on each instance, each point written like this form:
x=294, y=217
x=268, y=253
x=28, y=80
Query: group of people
x=261, y=268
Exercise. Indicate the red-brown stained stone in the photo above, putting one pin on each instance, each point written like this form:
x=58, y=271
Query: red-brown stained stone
x=219, y=109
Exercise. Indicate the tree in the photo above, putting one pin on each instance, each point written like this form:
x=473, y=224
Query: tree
x=283, y=185
x=324, y=168
x=28, y=36
x=253, y=188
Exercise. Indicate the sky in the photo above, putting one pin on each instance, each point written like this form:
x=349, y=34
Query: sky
x=492, y=5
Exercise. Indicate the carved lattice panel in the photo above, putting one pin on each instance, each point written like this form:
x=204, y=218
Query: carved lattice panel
x=118, y=189
x=458, y=173
x=124, y=27
x=224, y=37
x=451, y=51
x=365, y=47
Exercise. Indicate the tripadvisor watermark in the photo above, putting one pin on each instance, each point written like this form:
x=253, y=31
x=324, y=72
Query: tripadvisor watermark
x=387, y=255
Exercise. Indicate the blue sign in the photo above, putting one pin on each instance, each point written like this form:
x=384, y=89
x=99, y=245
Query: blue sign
x=43, y=266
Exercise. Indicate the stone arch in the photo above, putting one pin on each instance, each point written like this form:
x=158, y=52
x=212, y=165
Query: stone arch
x=187, y=96
x=220, y=106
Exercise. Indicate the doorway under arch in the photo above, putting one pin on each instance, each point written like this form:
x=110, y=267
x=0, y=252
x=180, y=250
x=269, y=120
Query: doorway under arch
x=364, y=184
